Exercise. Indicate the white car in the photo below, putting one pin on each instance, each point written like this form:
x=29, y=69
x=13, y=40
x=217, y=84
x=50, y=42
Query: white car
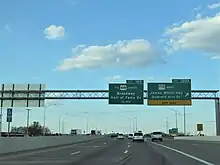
x=157, y=136
x=138, y=136
x=120, y=136
x=130, y=136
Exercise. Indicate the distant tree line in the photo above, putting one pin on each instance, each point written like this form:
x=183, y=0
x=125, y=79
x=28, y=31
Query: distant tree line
x=35, y=129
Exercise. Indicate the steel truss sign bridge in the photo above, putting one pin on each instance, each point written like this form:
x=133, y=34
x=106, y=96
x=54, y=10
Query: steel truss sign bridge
x=39, y=95
x=89, y=94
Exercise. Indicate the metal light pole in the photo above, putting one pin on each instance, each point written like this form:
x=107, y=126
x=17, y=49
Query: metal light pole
x=87, y=126
x=44, y=121
x=130, y=124
x=167, y=125
x=136, y=123
x=184, y=119
x=59, y=123
x=28, y=118
x=133, y=124
x=51, y=104
x=176, y=116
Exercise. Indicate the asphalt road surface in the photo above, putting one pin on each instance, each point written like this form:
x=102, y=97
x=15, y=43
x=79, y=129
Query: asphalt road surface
x=203, y=152
x=110, y=151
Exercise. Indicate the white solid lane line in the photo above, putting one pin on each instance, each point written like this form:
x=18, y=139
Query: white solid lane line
x=185, y=154
x=75, y=153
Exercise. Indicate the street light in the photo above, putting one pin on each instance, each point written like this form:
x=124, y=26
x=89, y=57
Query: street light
x=67, y=114
x=60, y=120
x=47, y=106
x=211, y=122
x=176, y=114
x=184, y=117
x=130, y=125
x=63, y=122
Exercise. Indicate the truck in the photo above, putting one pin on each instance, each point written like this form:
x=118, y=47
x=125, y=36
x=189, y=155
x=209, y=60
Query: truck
x=93, y=132
x=99, y=132
x=75, y=132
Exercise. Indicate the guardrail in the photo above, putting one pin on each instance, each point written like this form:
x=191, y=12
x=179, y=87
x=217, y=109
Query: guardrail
x=199, y=138
x=17, y=144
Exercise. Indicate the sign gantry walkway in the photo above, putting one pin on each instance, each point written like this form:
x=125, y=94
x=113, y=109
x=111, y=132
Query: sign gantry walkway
x=91, y=94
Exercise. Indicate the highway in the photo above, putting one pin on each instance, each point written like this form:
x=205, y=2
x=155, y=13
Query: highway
x=109, y=151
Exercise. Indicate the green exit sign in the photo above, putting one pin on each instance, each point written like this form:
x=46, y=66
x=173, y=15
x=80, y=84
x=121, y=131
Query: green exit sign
x=135, y=81
x=169, y=94
x=181, y=81
x=126, y=93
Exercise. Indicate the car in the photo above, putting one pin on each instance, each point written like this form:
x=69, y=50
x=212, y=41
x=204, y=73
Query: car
x=130, y=136
x=157, y=136
x=120, y=136
x=113, y=135
x=138, y=136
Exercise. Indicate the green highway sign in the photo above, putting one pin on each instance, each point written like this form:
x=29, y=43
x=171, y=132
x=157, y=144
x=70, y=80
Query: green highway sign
x=173, y=131
x=199, y=127
x=135, y=81
x=181, y=81
x=169, y=94
x=126, y=93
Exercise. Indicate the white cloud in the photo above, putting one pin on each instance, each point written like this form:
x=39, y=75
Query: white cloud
x=127, y=54
x=198, y=16
x=54, y=32
x=111, y=78
x=202, y=35
x=197, y=9
x=214, y=6
x=7, y=28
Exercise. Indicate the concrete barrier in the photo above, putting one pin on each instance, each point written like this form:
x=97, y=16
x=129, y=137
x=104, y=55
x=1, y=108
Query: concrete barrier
x=199, y=138
x=16, y=144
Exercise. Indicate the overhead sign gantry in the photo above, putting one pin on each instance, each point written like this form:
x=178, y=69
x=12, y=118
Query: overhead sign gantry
x=34, y=95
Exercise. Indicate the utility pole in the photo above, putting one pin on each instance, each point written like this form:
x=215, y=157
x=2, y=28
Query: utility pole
x=28, y=118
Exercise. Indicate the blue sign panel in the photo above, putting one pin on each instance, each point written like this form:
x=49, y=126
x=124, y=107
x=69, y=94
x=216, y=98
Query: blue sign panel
x=9, y=115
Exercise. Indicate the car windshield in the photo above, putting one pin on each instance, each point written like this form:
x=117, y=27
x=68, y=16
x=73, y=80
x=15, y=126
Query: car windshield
x=157, y=133
x=130, y=135
x=138, y=134
x=120, y=134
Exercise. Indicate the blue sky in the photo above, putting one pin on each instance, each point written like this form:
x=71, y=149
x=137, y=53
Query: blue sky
x=86, y=44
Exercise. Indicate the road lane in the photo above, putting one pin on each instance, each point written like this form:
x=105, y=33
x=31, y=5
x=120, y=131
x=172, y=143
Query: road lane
x=108, y=151
x=60, y=155
x=126, y=153
x=201, y=153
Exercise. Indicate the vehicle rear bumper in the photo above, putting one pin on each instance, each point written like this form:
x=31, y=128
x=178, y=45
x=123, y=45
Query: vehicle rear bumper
x=138, y=139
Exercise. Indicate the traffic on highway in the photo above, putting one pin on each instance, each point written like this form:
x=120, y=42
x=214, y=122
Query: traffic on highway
x=113, y=150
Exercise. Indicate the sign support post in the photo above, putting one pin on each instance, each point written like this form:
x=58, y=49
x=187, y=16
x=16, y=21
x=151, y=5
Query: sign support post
x=9, y=119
